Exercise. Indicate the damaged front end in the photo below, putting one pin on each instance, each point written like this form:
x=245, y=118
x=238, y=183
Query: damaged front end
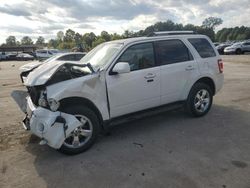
x=53, y=127
x=42, y=117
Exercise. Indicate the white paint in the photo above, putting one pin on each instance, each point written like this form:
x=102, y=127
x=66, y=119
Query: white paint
x=127, y=92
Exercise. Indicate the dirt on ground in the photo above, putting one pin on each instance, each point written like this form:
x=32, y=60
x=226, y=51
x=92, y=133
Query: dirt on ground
x=165, y=150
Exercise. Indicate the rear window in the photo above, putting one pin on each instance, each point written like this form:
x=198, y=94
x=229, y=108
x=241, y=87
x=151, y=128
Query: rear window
x=172, y=51
x=203, y=47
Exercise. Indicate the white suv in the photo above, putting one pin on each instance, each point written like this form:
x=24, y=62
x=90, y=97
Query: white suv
x=68, y=104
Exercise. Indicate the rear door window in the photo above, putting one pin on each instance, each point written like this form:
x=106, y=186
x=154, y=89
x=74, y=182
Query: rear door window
x=172, y=51
x=203, y=47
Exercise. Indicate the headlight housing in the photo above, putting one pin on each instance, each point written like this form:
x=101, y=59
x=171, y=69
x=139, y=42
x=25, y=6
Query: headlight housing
x=42, y=100
x=53, y=104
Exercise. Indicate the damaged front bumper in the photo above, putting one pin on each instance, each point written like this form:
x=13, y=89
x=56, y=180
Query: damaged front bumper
x=51, y=127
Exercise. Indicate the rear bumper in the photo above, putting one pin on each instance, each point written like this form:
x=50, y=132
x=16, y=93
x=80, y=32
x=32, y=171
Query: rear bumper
x=43, y=123
x=219, y=82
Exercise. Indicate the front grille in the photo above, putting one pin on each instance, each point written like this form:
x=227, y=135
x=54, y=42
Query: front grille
x=34, y=94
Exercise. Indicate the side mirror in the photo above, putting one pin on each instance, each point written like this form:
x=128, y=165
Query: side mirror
x=121, y=67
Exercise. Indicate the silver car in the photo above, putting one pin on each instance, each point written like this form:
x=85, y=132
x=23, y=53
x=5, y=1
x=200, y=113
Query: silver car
x=238, y=48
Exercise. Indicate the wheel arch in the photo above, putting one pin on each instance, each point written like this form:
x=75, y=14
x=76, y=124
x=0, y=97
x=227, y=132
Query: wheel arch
x=209, y=81
x=70, y=101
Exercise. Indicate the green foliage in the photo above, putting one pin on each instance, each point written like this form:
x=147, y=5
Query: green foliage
x=98, y=41
x=53, y=43
x=26, y=41
x=212, y=22
x=11, y=41
x=40, y=41
x=71, y=39
x=233, y=34
x=69, y=36
x=60, y=36
x=105, y=35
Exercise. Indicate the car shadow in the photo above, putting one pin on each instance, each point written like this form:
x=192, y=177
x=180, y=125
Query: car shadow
x=165, y=149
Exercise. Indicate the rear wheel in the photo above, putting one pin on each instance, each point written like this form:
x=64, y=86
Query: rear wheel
x=199, y=100
x=84, y=136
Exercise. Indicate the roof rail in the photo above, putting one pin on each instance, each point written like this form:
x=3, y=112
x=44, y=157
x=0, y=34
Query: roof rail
x=163, y=33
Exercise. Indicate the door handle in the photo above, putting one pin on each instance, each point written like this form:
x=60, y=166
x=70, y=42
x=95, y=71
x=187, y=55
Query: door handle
x=149, y=76
x=190, y=67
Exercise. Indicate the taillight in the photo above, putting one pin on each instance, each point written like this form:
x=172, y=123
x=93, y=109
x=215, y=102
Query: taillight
x=220, y=65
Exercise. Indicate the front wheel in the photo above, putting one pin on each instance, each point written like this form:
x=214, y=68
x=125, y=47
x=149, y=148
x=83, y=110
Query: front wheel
x=238, y=51
x=84, y=136
x=199, y=100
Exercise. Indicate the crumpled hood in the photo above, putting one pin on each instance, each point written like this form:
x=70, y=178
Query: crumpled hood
x=43, y=73
x=30, y=66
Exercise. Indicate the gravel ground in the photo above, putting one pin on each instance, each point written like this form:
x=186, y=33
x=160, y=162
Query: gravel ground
x=166, y=150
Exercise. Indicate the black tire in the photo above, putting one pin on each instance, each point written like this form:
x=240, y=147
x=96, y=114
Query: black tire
x=238, y=51
x=192, y=100
x=88, y=113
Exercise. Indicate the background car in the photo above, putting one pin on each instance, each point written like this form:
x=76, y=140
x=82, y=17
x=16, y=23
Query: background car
x=3, y=56
x=238, y=48
x=220, y=48
x=71, y=56
x=24, y=57
x=216, y=44
x=45, y=54
x=11, y=55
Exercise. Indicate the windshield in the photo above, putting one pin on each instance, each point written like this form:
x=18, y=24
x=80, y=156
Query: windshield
x=54, y=57
x=100, y=56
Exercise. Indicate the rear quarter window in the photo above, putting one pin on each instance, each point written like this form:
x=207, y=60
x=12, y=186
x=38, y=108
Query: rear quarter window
x=203, y=47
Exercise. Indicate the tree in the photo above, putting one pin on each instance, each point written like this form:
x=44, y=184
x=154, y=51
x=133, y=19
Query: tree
x=89, y=38
x=105, y=35
x=69, y=36
x=78, y=38
x=212, y=22
x=127, y=34
x=11, y=41
x=26, y=41
x=53, y=43
x=40, y=41
x=115, y=36
x=60, y=36
x=98, y=41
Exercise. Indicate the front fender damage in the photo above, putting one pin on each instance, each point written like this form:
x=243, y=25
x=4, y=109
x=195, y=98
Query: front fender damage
x=53, y=127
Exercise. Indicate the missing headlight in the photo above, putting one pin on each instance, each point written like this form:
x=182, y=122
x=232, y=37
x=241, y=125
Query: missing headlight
x=53, y=104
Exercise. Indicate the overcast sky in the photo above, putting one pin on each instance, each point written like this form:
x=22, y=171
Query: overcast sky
x=46, y=17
